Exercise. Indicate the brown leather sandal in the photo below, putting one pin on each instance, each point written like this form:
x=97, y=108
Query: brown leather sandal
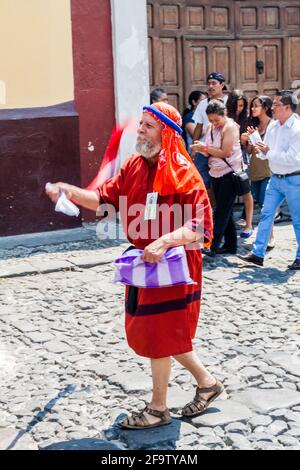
x=199, y=404
x=139, y=420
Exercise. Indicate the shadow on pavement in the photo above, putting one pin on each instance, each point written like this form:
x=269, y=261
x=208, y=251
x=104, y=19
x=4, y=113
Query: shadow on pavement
x=159, y=438
x=213, y=270
x=264, y=275
x=40, y=416
x=82, y=444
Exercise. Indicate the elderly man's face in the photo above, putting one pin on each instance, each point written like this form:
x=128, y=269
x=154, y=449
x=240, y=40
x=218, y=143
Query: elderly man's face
x=149, y=136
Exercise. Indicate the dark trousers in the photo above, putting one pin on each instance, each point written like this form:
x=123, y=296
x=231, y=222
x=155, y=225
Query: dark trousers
x=224, y=226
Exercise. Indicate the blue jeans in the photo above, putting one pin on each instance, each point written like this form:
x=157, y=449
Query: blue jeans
x=258, y=190
x=201, y=163
x=279, y=189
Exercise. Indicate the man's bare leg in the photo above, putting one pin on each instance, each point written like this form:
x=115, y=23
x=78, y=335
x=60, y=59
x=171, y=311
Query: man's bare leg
x=193, y=364
x=161, y=369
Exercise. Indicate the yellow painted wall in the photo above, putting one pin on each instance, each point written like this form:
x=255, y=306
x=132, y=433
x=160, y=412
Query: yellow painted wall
x=36, y=64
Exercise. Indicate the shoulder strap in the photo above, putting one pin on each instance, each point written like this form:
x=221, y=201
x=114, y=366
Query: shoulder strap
x=212, y=139
x=225, y=160
x=211, y=134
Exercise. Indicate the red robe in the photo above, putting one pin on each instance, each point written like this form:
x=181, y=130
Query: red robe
x=166, y=319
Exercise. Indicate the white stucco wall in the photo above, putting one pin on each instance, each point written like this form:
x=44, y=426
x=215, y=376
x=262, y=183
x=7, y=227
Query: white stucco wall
x=131, y=68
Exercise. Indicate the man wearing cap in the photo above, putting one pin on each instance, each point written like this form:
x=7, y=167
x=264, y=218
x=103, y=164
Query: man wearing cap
x=281, y=147
x=215, y=85
x=161, y=322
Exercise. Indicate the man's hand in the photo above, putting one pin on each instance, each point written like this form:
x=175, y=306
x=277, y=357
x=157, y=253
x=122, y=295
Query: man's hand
x=55, y=189
x=260, y=147
x=155, y=251
x=193, y=154
x=82, y=197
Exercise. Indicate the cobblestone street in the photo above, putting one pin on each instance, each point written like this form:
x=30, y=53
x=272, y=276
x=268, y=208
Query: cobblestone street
x=68, y=375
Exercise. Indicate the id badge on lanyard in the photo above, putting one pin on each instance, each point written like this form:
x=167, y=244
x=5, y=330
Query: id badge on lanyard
x=151, y=206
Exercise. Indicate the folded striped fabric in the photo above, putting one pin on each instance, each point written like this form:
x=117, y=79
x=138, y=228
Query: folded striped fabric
x=171, y=270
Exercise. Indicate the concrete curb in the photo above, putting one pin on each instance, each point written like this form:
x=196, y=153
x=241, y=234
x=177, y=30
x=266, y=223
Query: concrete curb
x=35, y=267
x=56, y=237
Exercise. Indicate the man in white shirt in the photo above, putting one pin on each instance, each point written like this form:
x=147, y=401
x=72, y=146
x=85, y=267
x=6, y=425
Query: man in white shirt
x=215, y=85
x=282, y=148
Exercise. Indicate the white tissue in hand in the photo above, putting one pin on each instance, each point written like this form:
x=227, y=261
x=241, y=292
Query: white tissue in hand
x=66, y=207
x=255, y=138
x=49, y=186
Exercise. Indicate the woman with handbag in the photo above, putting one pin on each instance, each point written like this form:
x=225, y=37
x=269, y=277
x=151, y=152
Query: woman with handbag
x=223, y=149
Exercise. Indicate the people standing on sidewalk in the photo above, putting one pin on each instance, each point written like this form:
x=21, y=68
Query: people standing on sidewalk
x=237, y=109
x=223, y=152
x=281, y=147
x=215, y=86
x=160, y=322
x=259, y=171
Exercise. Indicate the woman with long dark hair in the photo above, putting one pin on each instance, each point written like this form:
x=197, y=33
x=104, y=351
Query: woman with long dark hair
x=237, y=109
x=260, y=173
x=188, y=123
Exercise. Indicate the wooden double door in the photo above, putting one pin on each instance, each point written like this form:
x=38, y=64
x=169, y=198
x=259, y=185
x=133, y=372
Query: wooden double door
x=255, y=44
x=238, y=60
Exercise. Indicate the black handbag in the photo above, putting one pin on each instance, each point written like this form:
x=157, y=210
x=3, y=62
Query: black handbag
x=241, y=181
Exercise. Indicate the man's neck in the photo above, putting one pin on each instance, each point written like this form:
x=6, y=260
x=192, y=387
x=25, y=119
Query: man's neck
x=220, y=96
x=152, y=161
x=283, y=121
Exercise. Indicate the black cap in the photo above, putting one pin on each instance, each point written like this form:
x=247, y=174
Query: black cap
x=216, y=76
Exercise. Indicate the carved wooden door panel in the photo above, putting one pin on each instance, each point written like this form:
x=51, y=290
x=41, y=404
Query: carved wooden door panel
x=190, y=38
x=175, y=57
x=165, y=50
x=203, y=57
x=259, y=66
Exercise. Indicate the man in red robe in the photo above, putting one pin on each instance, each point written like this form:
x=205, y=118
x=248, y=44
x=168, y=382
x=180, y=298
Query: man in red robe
x=160, y=322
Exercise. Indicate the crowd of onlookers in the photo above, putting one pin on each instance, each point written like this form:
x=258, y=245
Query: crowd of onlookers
x=227, y=133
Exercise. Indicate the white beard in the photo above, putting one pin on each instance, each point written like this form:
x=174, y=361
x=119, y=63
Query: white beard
x=147, y=150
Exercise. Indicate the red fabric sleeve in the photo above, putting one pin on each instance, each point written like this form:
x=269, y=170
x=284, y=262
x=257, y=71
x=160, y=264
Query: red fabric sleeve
x=111, y=190
x=199, y=214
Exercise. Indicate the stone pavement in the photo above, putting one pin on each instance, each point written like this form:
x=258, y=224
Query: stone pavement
x=67, y=376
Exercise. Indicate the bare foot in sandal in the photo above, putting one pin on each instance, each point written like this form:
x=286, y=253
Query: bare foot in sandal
x=203, y=398
x=148, y=418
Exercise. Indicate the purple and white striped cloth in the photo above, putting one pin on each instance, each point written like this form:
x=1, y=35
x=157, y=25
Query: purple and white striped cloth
x=171, y=270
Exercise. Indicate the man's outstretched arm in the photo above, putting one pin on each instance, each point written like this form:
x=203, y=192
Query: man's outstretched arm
x=198, y=132
x=82, y=197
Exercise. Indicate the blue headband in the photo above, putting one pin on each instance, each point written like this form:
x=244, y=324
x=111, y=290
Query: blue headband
x=163, y=118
